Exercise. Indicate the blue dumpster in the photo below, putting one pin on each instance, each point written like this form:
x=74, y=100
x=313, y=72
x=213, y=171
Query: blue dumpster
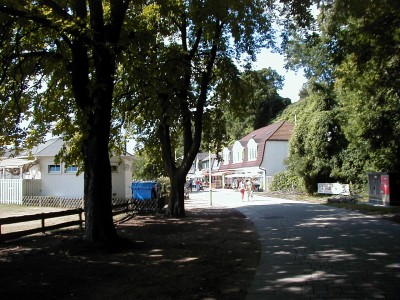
x=146, y=196
x=144, y=190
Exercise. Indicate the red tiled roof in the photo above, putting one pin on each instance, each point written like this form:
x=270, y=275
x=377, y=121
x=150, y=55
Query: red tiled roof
x=280, y=131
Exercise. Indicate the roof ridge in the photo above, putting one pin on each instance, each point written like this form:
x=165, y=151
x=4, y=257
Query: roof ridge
x=269, y=133
x=277, y=127
x=46, y=144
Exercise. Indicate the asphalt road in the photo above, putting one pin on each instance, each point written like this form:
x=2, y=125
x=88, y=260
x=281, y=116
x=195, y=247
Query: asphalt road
x=312, y=251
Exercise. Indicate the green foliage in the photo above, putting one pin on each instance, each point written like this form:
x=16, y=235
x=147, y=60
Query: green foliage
x=191, y=74
x=317, y=140
x=288, y=182
x=348, y=116
x=147, y=167
x=96, y=71
x=260, y=103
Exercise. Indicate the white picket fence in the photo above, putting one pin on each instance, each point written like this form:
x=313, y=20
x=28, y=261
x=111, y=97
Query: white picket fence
x=13, y=190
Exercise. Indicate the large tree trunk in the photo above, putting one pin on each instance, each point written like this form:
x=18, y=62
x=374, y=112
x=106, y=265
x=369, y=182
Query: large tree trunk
x=176, y=204
x=94, y=99
x=99, y=227
x=98, y=184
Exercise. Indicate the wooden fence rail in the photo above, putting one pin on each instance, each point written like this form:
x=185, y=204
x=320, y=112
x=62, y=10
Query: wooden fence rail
x=120, y=208
x=42, y=217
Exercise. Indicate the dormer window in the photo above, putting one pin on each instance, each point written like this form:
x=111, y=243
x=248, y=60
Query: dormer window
x=252, y=150
x=237, y=152
x=225, y=154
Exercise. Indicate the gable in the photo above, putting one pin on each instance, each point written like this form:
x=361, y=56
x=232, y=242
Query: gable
x=280, y=131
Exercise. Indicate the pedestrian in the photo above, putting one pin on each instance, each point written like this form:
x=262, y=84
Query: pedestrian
x=242, y=188
x=250, y=190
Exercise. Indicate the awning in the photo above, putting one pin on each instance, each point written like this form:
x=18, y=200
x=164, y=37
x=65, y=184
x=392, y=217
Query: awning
x=237, y=175
x=197, y=175
x=244, y=175
x=12, y=163
x=219, y=173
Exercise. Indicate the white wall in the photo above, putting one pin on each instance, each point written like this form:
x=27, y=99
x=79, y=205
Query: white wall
x=69, y=185
x=60, y=184
x=274, y=157
x=122, y=179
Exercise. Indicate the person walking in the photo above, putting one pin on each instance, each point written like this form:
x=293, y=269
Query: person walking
x=249, y=188
x=242, y=188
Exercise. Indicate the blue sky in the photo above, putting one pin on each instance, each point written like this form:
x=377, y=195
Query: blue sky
x=293, y=80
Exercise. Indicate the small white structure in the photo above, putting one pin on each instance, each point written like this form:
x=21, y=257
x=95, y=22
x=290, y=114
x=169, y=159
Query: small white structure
x=41, y=176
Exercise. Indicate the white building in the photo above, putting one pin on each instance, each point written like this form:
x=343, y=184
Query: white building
x=259, y=155
x=58, y=180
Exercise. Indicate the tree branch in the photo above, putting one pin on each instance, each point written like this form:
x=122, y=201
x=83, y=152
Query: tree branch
x=22, y=14
x=205, y=80
x=195, y=46
x=56, y=8
x=118, y=12
x=37, y=54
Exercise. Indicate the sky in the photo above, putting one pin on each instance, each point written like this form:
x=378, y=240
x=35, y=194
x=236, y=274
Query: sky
x=293, y=80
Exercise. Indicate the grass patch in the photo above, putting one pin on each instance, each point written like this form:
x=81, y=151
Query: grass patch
x=367, y=208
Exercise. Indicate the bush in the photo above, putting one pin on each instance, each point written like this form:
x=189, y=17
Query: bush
x=287, y=182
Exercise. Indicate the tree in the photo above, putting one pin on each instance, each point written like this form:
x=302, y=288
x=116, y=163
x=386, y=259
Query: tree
x=188, y=62
x=317, y=142
x=351, y=61
x=60, y=61
x=88, y=68
x=368, y=88
x=261, y=102
x=195, y=77
x=265, y=101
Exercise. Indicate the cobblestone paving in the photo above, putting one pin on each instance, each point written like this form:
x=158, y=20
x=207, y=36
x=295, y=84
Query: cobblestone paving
x=312, y=251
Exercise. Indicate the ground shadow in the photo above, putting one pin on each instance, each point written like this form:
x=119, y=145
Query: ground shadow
x=315, y=251
x=208, y=254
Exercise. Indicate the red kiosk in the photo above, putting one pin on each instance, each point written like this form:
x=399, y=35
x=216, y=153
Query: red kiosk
x=384, y=188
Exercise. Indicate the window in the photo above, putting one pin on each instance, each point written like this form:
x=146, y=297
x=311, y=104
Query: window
x=71, y=169
x=252, y=150
x=114, y=169
x=226, y=153
x=237, y=152
x=54, y=169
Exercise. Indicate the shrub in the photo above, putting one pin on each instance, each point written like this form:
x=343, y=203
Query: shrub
x=288, y=182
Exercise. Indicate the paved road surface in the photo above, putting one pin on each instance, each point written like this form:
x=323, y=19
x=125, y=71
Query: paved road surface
x=312, y=251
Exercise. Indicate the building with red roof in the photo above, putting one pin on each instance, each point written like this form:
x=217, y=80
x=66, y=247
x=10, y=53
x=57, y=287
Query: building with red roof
x=258, y=155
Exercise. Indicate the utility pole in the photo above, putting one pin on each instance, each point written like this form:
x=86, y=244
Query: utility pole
x=209, y=175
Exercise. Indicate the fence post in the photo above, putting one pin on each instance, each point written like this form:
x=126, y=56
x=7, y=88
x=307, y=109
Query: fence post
x=43, y=230
x=80, y=218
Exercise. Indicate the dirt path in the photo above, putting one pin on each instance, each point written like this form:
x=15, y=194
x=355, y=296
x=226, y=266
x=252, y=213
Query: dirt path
x=212, y=253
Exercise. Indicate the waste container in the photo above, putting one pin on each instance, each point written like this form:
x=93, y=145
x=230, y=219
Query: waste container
x=384, y=188
x=146, y=195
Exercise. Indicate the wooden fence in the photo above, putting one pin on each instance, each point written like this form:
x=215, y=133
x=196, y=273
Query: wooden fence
x=13, y=190
x=120, y=208
x=53, y=201
x=40, y=217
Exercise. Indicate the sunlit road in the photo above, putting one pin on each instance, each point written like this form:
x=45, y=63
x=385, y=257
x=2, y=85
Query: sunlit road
x=312, y=251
